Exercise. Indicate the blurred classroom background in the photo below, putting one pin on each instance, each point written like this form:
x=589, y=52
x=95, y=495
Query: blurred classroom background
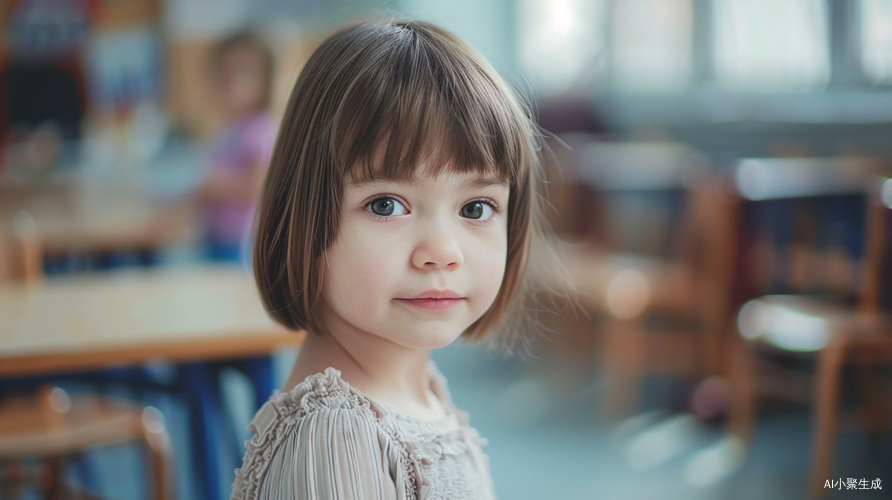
x=719, y=180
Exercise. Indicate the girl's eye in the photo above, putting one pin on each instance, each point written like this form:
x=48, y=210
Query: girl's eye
x=478, y=210
x=386, y=207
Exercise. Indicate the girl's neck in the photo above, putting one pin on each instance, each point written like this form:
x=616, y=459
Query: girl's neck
x=385, y=371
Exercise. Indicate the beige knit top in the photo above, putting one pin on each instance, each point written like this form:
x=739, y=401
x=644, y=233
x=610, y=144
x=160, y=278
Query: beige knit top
x=326, y=440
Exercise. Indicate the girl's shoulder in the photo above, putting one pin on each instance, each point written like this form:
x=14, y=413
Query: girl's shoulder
x=306, y=426
x=319, y=392
x=325, y=430
x=325, y=397
x=326, y=391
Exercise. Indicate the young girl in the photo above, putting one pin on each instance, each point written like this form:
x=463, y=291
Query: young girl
x=398, y=213
x=242, y=66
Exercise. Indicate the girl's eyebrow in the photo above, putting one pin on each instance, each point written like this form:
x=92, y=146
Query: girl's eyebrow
x=483, y=182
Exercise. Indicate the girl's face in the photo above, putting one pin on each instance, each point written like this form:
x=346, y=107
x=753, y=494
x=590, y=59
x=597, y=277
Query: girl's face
x=241, y=82
x=417, y=262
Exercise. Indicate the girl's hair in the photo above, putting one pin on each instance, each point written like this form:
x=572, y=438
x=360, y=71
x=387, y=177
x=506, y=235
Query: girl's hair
x=249, y=41
x=376, y=100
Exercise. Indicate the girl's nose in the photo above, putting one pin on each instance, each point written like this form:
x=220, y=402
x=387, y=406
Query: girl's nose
x=438, y=250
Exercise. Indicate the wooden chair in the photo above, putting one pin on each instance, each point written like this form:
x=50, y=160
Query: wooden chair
x=21, y=252
x=673, y=280
x=824, y=326
x=52, y=425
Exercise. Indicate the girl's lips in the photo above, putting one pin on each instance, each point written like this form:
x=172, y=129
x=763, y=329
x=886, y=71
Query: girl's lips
x=432, y=304
x=437, y=294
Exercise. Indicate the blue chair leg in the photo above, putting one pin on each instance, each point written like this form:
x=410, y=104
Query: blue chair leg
x=260, y=371
x=87, y=472
x=205, y=425
x=200, y=385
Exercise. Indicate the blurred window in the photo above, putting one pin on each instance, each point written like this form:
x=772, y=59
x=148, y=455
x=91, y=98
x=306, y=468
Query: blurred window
x=560, y=41
x=651, y=44
x=875, y=18
x=46, y=29
x=771, y=45
x=125, y=65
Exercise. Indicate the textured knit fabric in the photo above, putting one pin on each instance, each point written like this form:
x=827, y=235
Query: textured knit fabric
x=326, y=440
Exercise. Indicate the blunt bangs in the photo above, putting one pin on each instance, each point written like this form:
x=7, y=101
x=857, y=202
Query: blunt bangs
x=416, y=100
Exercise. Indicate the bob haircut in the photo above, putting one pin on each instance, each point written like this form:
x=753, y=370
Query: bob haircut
x=375, y=101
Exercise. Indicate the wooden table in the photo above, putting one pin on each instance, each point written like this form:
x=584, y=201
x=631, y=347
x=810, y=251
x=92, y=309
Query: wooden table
x=126, y=318
x=91, y=219
x=188, y=316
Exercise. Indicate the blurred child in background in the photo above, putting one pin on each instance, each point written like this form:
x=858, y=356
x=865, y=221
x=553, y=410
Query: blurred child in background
x=242, y=67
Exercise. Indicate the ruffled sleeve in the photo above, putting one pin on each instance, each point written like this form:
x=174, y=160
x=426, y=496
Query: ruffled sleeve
x=331, y=453
x=322, y=440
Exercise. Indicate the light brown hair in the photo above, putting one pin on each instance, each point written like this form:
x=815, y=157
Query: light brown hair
x=375, y=101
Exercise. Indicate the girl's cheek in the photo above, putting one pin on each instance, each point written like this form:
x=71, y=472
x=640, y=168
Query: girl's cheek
x=374, y=250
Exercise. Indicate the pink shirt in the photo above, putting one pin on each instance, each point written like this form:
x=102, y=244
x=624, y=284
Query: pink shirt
x=246, y=143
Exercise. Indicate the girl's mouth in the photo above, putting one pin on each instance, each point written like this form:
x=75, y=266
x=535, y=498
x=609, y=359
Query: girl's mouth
x=431, y=303
x=434, y=300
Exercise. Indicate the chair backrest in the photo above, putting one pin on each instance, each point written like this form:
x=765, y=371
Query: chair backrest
x=21, y=251
x=876, y=278
x=631, y=195
x=801, y=226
